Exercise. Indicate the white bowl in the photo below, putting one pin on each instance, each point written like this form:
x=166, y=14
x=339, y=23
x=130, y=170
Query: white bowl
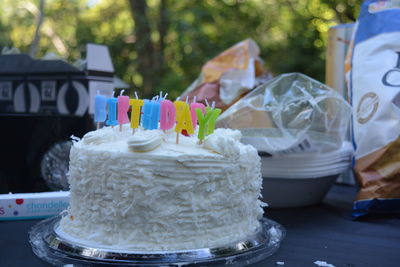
x=305, y=172
x=302, y=179
x=295, y=192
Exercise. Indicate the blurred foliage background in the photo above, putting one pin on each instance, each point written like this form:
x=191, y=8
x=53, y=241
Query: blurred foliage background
x=162, y=44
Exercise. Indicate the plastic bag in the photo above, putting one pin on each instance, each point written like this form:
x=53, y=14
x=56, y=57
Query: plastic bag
x=230, y=75
x=290, y=113
x=55, y=164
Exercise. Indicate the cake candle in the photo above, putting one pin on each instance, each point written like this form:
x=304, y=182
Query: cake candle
x=203, y=119
x=154, y=115
x=207, y=122
x=167, y=115
x=123, y=107
x=213, y=118
x=179, y=106
x=146, y=114
x=100, y=113
x=193, y=107
x=112, y=111
x=136, y=105
x=183, y=117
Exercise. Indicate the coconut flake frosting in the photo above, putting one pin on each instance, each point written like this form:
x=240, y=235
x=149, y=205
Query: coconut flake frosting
x=168, y=196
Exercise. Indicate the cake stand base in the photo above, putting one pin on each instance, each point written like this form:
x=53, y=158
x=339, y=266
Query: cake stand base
x=48, y=245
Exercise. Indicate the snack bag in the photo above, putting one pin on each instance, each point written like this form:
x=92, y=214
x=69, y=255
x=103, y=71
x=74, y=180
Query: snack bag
x=374, y=82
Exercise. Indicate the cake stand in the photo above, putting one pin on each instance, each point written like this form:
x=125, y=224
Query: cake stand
x=50, y=246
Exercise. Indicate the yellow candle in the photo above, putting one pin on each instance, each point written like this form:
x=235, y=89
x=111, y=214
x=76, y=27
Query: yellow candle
x=183, y=118
x=135, y=112
x=179, y=107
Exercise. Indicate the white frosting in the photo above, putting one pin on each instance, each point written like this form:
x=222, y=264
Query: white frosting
x=173, y=197
x=145, y=140
x=224, y=143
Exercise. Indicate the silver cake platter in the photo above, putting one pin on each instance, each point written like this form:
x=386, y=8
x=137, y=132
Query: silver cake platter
x=50, y=246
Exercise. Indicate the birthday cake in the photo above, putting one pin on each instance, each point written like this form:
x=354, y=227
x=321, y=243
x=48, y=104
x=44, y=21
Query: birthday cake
x=143, y=191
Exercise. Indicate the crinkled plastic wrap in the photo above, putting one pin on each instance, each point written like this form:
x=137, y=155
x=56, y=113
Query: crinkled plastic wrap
x=230, y=75
x=290, y=113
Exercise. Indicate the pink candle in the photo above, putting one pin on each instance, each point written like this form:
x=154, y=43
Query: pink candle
x=123, y=107
x=167, y=116
x=193, y=107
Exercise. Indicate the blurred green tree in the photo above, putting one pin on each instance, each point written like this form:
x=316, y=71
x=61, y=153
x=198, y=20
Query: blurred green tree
x=162, y=44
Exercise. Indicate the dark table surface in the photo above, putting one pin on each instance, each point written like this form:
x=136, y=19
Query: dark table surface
x=324, y=232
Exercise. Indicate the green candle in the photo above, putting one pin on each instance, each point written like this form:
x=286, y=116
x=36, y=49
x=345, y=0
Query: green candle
x=213, y=118
x=202, y=122
x=207, y=121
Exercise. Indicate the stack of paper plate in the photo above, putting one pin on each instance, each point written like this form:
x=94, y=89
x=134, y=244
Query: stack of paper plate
x=308, y=165
x=302, y=179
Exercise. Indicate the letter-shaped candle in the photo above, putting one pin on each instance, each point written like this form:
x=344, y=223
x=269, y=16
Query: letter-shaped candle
x=154, y=115
x=213, y=118
x=193, y=108
x=112, y=111
x=168, y=115
x=203, y=120
x=179, y=107
x=100, y=113
x=123, y=107
x=146, y=113
x=183, y=117
x=207, y=122
x=135, y=111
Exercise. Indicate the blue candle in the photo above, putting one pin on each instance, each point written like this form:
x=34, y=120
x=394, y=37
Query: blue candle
x=112, y=111
x=100, y=113
x=155, y=115
x=146, y=114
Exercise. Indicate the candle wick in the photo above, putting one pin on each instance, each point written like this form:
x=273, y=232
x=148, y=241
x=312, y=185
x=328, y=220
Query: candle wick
x=187, y=99
x=122, y=91
x=207, y=102
x=113, y=95
x=136, y=95
x=165, y=97
x=194, y=99
x=213, y=104
x=160, y=94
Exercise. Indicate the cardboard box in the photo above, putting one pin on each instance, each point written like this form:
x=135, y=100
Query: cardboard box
x=27, y=206
x=337, y=48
